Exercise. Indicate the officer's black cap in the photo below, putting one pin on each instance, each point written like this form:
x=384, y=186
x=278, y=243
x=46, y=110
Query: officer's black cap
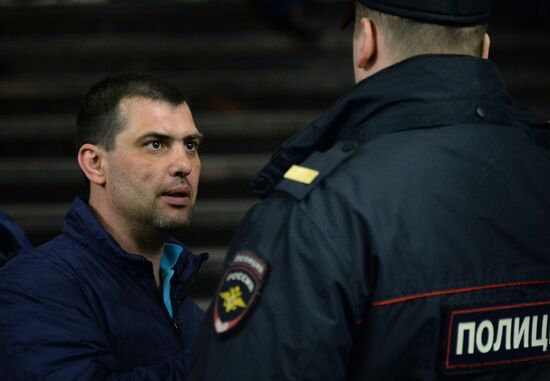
x=446, y=12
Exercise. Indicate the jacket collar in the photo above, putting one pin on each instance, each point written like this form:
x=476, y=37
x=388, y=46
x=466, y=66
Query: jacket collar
x=415, y=93
x=82, y=225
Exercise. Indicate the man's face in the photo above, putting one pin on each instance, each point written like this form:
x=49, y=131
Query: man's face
x=153, y=172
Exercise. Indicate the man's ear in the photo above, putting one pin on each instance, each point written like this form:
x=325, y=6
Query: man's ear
x=91, y=159
x=367, y=43
x=486, y=46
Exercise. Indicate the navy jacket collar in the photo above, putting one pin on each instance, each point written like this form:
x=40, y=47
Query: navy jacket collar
x=415, y=93
x=82, y=225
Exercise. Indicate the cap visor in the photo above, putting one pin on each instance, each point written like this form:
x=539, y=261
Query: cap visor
x=350, y=14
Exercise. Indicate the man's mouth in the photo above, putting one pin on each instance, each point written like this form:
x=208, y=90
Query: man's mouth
x=178, y=196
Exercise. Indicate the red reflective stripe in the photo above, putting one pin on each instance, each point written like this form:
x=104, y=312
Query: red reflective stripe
x=408, y=298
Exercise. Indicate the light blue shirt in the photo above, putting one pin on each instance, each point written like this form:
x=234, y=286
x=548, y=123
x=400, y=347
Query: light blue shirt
x=169, y=258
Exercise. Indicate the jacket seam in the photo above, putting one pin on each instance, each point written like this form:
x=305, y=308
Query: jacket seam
x=432, y=294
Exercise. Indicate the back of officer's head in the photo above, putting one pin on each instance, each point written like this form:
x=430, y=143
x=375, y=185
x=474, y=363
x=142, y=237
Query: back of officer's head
x=412, y=27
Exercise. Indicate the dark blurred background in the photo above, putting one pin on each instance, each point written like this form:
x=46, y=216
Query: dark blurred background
x=254, y=72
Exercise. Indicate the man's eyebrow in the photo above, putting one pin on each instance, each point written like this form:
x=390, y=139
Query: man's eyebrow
x=157, y=135
x=197, y=136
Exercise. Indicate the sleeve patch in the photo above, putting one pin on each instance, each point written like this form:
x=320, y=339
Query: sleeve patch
x=497, y=337
x=238, y=290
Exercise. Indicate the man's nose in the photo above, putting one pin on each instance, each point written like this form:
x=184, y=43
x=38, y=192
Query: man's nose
x=181, y=164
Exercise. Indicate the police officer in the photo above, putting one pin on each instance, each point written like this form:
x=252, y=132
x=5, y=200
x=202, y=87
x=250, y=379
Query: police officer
x=405, y=235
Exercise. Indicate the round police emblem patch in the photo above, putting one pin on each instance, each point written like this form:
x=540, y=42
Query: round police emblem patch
x=239, y=288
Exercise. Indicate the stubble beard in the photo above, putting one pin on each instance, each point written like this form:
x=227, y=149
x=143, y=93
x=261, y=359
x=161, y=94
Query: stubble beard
x=146, y=218
x=161, y=222
x=150, y=219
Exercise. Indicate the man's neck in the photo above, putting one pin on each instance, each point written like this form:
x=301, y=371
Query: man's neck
x=148, y=243
x=148, y=246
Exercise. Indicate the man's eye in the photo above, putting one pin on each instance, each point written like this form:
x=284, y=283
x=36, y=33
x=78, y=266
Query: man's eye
x=192, y=146
x=155, y=145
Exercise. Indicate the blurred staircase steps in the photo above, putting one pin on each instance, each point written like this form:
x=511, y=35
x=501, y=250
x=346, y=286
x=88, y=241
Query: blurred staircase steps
x=250, y=88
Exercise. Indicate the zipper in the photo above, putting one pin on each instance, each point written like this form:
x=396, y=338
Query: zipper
x=182, y=292
x=178, y=332
x=173, y=321
x=181, y=296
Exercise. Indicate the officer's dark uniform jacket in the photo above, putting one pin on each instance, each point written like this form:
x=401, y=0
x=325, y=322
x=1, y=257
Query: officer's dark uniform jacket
x=421, y=251
x=81, y=308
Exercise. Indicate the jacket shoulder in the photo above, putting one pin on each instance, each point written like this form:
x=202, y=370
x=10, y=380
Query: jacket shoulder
x=38, y=268
x=300, y=180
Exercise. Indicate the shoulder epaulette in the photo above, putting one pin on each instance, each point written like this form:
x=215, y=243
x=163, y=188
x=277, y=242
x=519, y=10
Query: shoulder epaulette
x=300, y=179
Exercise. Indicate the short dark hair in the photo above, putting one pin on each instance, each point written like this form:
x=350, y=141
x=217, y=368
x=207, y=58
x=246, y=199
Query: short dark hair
x=407, y=37
x=99, y=121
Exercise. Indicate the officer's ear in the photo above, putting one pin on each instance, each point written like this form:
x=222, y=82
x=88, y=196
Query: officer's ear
x=366, y=43
x=485, y=47
x=92, y=161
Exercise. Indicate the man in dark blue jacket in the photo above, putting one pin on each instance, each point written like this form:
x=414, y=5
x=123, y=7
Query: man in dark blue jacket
x=108, y=298
x=405, y=235
x=12, y=239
